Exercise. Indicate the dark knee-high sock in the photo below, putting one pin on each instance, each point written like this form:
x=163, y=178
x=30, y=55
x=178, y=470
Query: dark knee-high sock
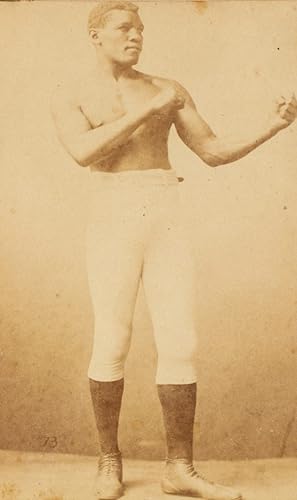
x=178, y=405
x=107, y=399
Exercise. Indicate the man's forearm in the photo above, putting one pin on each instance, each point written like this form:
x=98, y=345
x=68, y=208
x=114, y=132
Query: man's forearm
x=221, y=151
x=101, y=141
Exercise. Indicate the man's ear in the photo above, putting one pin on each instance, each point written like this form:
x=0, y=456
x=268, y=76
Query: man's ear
x=95, y=36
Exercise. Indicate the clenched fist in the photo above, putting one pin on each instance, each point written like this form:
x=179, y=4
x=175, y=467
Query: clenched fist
x=169, y=99
x=286, y=110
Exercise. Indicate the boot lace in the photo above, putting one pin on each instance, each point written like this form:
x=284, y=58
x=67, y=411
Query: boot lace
x=189, y=468
x=110, y=463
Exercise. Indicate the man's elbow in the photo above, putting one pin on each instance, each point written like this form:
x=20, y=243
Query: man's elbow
x=212, y=160
x=80, y=156
x=84, y=157
x=81, y=161
x=215, y=157
x=211, y=155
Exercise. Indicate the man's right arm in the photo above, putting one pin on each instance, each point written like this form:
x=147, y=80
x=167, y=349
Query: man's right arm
x=86, y=144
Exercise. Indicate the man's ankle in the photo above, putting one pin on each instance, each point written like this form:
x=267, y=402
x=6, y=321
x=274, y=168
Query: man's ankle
x=179, y=459
x=110, y=451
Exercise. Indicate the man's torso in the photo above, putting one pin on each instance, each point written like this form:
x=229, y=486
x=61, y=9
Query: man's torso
x=103, y=102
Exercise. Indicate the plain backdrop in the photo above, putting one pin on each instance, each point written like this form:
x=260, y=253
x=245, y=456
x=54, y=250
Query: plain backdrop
x=234, y=57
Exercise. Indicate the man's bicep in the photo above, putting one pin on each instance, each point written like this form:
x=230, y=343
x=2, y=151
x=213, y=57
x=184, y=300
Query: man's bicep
x=193, y=130
x=69, y=121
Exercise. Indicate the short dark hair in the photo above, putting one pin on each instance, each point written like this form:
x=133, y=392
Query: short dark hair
x=98, y=12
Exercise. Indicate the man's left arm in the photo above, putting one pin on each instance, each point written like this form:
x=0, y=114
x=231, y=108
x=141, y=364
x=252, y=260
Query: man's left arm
x=215, y=151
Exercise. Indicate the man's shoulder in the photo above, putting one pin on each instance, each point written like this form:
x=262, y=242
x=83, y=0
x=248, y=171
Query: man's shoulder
x=64, y=94
x=71, y=90
x=160, y=81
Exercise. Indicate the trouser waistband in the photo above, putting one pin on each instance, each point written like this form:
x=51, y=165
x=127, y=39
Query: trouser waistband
x=147, y=176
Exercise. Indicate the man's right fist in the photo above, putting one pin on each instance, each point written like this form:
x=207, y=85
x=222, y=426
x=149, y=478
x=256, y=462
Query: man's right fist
x=169, y=99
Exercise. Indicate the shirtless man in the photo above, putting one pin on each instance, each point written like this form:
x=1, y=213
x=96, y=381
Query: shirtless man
x=116, y=121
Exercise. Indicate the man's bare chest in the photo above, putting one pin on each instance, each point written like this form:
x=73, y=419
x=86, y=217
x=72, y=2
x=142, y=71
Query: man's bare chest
x=103, y=104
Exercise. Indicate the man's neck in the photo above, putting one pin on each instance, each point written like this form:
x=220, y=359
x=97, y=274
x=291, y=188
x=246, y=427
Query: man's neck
x=111, y=70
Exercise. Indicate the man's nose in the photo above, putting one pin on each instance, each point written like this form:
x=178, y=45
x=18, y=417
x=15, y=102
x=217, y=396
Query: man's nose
x=134, y=35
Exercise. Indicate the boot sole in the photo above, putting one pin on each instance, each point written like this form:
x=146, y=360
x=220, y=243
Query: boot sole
x=110, y=497
x=191, y=495
x=113, y=496
x=168, y=489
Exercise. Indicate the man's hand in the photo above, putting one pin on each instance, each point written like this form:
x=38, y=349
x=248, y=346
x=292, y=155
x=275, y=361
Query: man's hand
x=169, y=99
x=285, y=111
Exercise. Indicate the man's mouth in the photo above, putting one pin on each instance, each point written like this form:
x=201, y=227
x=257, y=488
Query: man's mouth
x=136, y=48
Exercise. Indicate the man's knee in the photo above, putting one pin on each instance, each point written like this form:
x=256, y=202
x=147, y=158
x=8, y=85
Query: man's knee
x=110, y=350
x=112, y=336
x=178, y=343
x=177, y=359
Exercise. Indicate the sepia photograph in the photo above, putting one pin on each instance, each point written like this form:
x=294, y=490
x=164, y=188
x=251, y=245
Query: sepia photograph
x=149, y=250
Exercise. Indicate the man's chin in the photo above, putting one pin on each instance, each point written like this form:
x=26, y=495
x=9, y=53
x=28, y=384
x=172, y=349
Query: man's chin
x=128, y=60
x=133, y=59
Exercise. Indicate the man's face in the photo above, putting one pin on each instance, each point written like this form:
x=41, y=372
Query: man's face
x=121, y=37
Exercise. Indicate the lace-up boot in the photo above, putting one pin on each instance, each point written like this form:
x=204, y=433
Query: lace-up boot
x=180, y=478
x=108, y=484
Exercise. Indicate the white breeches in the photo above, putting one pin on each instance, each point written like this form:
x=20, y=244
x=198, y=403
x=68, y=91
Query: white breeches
x=135, y=232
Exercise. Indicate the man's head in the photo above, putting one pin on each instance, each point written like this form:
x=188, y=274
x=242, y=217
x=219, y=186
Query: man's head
x=115, y=29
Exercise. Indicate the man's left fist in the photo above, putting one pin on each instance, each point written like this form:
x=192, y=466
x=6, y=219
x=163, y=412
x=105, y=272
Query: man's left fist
x=286, y=109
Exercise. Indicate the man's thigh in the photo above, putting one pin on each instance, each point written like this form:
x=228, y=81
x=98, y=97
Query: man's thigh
x=170, y=278
x=114, y=254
